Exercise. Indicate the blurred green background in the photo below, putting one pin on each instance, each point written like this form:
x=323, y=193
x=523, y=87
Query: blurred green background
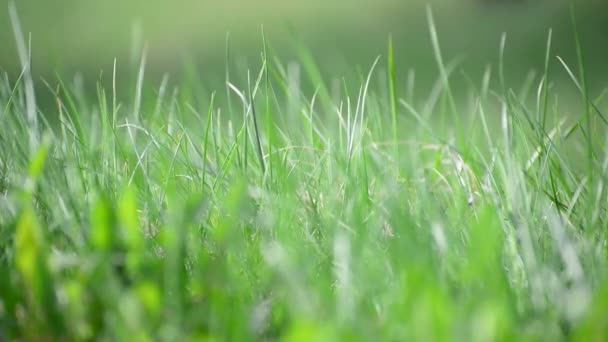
x=85, y=36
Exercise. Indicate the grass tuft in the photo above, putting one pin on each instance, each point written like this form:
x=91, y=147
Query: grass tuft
x=142, y=218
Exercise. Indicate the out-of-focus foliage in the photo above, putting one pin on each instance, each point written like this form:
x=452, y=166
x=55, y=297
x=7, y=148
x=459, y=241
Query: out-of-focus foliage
x=76, y=35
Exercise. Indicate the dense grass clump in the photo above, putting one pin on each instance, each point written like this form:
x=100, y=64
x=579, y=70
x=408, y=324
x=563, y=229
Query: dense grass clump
x=267, y=211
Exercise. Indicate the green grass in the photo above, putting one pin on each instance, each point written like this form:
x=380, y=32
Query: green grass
x=264, y=211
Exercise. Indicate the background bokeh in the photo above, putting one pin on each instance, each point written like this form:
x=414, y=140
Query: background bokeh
x=85, y=36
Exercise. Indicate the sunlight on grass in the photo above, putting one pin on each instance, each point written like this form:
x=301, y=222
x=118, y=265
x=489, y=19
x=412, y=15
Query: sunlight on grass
x=256, y=209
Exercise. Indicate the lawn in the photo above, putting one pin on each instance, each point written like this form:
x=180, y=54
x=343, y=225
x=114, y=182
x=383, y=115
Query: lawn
x=283, y=202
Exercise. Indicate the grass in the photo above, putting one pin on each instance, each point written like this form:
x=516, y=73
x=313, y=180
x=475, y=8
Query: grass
x=347, y=213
